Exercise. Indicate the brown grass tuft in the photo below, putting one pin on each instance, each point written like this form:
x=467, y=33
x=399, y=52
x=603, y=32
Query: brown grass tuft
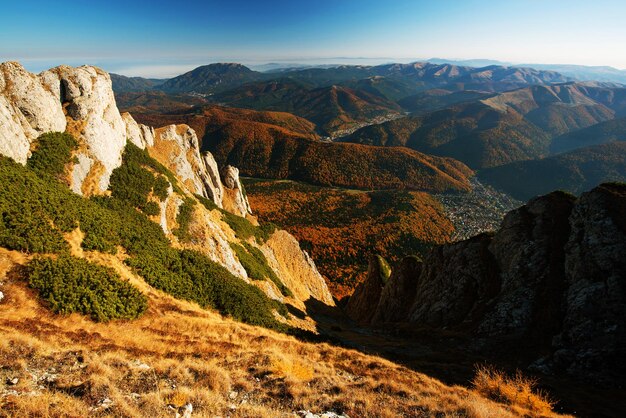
x=518, y=391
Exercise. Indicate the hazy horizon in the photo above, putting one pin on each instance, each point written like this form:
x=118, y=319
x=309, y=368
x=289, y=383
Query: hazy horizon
x=158, y=39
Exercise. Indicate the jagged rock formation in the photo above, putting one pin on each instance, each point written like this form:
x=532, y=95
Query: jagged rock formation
x=81, y=102
x=298, y=272
x=235, y=199
x=362, y=304
x=550, y=281
x=399, y=291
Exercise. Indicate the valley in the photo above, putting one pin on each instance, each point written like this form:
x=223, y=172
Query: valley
x=291, y=240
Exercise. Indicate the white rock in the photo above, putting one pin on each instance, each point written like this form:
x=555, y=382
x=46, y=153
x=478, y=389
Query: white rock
x=13, y=140
x=89, y=98
x=40, y=107
x=178, y=145
x=80, y=172
x=211, y=179
x=238, y=202
x=140, y=135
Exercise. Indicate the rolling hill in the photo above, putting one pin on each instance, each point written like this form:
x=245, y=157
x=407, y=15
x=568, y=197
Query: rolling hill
x=211, y=78
x=333, y=108
x=506, y=127
x=474, y=133
x=341, y=228
x=573, y=172
x=123, y=84
x=436, y=99
x=609, y=131
x=282, y=146
x=156, y=102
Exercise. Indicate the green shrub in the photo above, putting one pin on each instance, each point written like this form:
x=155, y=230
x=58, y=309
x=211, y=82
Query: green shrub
x=384, y=268
x=31, y=207
x=191, y=275
x=207, y=203
x=160, y=188
x=255, y=264
x=34, y=222
x=244, y=229
x=70, y=284
x=132, y=182
x=184, y=217
x=53, y=151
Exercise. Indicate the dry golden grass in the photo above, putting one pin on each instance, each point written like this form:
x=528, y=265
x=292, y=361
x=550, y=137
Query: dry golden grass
x=177, y=353
x=518, y=391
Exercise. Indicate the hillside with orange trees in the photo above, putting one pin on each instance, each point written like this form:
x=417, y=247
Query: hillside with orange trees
x=281, y=146
x=207, y=120
x=340, y=228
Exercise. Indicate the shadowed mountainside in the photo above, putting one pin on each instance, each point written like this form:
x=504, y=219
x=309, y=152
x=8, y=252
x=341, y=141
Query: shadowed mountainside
x=574, y=171
x=609, y=131
x=547, y=287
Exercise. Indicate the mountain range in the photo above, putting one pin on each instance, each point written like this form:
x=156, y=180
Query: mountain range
x=501, y=128
x=136, y=278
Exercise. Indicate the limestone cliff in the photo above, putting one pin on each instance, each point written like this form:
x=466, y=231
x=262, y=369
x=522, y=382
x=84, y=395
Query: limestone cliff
x=550, y=282
x=81, y=102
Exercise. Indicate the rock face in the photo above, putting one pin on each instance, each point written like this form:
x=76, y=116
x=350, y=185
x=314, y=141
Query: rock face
x=551, y=281
x=177, y=147
x=81, y=102
x=593, y=337
x=296, y=269
x=455, y=283
x=362, y=304
x=399, y=291
x=27, y=109
x=235, y=200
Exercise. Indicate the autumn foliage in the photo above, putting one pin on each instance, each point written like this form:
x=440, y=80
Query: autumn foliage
x=340, y=228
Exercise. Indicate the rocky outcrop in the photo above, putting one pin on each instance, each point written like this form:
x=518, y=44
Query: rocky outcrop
x=235, y=199
x=177, y=147
x=456, y=282
x=140, y=135
x=81, y=102
x=399, y=291
x=86, y=97
x=27, y=109
x=592, y=341
x=530, y=254
x=362, y=304
x=295, y=268
x=550, y=282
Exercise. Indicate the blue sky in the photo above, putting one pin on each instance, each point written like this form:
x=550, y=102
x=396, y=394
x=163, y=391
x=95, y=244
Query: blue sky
x=165, y=38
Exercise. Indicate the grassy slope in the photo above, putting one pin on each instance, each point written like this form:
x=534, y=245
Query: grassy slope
x=178, y=353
